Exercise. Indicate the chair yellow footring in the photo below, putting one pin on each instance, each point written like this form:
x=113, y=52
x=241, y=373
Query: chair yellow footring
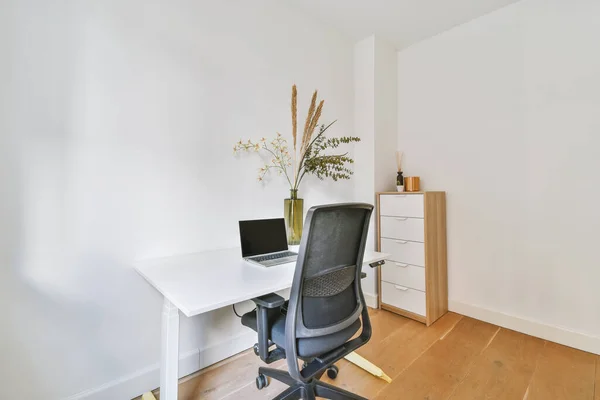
x=368, y=366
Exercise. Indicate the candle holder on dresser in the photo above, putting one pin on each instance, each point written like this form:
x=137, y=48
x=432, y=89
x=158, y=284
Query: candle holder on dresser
x=412, y=184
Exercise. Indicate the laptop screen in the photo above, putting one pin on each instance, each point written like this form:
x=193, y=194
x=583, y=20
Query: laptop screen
x=262, y=236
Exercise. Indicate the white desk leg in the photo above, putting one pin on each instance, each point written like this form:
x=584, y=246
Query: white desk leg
x=169, y=359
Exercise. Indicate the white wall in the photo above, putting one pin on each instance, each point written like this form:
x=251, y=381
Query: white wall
x=375, y=112
x=118, y=123
x=386, y=116
x=364, y=127
x=502, y=113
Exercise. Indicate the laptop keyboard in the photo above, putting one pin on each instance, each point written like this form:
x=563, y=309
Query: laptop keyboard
x=273, y=256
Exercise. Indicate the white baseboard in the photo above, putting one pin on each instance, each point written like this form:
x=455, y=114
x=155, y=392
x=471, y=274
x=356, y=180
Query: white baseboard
x=371, y=300
x=552, y=333
x=148, y=378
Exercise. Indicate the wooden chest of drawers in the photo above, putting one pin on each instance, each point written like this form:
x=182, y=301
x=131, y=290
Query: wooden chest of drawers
x=414, y=280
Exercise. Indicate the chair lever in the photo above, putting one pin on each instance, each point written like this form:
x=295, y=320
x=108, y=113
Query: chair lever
x=275, y=355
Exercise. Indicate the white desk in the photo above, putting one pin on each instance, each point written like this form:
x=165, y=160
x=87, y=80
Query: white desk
x=202, y=282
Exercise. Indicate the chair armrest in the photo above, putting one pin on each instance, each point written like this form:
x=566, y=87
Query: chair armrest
x=377, y=263
x=271, y=300
x=263, y=304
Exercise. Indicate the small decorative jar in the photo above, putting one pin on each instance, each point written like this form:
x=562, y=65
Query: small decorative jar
x=412, y=183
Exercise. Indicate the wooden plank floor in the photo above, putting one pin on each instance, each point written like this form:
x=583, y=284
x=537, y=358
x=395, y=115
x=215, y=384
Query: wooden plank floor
x=457, y=358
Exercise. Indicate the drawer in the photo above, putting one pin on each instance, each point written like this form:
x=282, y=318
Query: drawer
x=404, y=274
x=403, y=228
x=403, y=298
x=404, y=251
x=402, y=205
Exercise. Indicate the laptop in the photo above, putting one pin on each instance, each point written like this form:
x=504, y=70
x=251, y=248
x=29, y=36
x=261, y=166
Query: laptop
x=264, y=242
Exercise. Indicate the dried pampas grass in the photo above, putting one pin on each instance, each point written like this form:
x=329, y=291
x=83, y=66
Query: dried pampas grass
x=315, y=120
x=309, y=118
x=312, y=120
x=294, y=114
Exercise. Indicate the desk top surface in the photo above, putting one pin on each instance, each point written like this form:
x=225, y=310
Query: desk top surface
x=201, y=282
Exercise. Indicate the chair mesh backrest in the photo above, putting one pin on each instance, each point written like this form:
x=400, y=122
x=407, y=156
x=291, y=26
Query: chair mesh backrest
x=329, y=293
x=329, y=284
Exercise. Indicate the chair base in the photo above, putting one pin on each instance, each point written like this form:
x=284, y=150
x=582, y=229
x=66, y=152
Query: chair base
x=308, y=391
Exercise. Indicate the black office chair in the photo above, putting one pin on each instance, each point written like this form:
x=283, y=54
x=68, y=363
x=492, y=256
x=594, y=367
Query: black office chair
x=325, y=307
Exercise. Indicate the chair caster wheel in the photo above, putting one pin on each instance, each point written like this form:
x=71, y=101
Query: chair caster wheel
x=332, y=372
x=255, y=348
x=261, y=382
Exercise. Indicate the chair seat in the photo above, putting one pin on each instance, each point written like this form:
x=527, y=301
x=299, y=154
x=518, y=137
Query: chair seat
x=307, y=347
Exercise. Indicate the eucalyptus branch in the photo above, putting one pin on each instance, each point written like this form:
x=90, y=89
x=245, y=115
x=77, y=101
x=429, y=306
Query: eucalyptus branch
x=299, y=176
x=321, y=132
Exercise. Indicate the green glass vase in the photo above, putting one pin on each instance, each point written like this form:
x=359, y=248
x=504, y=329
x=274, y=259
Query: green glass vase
x=293, y=209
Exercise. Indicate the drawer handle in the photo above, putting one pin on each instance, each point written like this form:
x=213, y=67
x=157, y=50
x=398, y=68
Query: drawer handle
x=401, y=218
x=404, y=289
x=402, y=265
x=401, y=241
